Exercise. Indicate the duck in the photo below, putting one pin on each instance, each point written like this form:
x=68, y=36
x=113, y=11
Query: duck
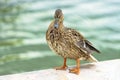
x=69, y=43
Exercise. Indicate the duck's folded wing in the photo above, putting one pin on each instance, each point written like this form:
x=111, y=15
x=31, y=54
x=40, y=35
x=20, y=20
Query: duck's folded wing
x=75, y=38
x=87, y=46
x=91, y=47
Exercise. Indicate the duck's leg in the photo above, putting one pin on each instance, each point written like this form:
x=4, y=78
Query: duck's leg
x=76, y=70
x=64, y=67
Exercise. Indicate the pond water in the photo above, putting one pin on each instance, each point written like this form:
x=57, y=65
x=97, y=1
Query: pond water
x=23, y=25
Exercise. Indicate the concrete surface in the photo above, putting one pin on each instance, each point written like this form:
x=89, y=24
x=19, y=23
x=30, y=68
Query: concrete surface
x=105, y=70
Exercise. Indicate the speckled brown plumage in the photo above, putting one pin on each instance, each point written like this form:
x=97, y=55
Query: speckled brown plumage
x=68, y=43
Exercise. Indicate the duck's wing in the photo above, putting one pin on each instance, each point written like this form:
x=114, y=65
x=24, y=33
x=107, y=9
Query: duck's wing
x=79, y=41
x=91, y=47
x=87, y=46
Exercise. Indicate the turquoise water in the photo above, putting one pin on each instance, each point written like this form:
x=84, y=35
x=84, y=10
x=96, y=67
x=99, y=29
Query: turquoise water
x=23, y=24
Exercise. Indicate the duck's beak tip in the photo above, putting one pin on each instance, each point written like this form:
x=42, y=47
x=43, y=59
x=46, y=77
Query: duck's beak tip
x=56, y=25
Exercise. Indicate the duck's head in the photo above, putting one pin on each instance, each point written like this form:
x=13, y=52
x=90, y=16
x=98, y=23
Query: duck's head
x=58, y=16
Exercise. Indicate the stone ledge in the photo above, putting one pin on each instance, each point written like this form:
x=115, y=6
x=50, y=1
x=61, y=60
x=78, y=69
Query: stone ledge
x=105, y=70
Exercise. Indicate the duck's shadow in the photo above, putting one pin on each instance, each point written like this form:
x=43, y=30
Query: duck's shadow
x=88, y=66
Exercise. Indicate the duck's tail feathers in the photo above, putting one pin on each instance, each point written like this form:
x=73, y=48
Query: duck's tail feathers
x=92, y=59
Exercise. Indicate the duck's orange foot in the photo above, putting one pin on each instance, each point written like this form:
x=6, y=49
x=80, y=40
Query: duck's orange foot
x=74, y=70
x=61, y=68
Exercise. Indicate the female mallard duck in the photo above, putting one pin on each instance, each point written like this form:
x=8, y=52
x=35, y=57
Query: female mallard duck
x=68, y=43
